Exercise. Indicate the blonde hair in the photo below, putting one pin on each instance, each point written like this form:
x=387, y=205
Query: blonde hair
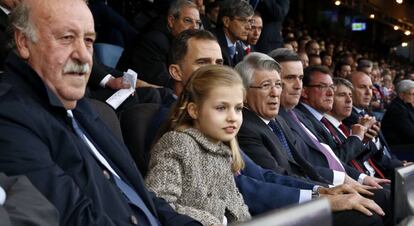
x=200, y=84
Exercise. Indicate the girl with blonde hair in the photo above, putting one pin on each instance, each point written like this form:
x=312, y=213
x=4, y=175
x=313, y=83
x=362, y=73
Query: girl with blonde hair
x=193, y=164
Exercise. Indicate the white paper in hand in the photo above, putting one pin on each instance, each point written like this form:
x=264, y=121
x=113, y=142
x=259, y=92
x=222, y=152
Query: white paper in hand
x=121, y=95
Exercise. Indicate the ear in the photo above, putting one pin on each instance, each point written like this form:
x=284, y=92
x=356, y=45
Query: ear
x=22, y=44
x=192, y=110
x=304, y=94
x=226, y=21
x=170, y=21
x=175, y=72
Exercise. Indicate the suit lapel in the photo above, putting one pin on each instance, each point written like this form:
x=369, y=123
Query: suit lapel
x=269, y=137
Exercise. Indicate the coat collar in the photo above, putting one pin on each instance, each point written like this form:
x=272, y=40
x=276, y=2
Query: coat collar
x=201, y=139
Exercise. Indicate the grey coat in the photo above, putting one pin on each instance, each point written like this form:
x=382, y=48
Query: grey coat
x=194, y=176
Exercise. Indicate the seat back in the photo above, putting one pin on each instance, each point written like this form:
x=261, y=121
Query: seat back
x=135, y=124
x=108, y=116
x=108, y=54
x=313, y=213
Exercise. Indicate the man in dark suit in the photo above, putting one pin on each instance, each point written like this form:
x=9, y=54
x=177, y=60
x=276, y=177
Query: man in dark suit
x=49, y=133
x=398, y=121
x=254, y=34
x=341, y=109
x=150, y=56
x=233, y=24
x=273, y=13
x=361, y=97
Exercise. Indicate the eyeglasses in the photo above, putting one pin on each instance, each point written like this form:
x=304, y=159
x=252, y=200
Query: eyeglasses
x=244, y=20
x=188, y=21
x=323, y=87
x=268, y=86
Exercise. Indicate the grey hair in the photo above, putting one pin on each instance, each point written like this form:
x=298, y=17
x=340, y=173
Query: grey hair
x=178, y=5
x=337, y=81
x=20, y=20
x=252, y=62
x=284, y=55
x=404, y=86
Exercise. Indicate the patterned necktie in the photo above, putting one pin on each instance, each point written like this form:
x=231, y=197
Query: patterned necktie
x=281, y=136
x=332, y=161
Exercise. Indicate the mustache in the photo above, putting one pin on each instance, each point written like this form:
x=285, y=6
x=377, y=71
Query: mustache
x=74, y=67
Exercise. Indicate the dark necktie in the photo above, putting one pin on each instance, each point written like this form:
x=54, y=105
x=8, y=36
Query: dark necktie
x=333, y=163
x=281, y=136
x=232, y=51
x=129, y=193
x=331, y=129
x=345, y=130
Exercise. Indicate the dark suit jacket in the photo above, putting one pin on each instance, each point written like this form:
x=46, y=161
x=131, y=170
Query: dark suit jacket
x=258, y=141
x=240, y=53
x=36, y=140
x=260, y=186
x=309, y=150
x=350, y=149
x=273, y=13
x=150, y=55
x=398, y=123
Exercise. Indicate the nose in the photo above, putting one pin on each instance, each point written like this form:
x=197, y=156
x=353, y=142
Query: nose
x=231, y=115
x=81, y=52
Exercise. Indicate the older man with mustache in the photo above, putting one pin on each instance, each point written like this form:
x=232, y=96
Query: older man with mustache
x=49, y=133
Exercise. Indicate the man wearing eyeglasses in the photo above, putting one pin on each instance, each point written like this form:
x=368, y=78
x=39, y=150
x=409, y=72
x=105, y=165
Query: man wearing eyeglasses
x=149, y=58
x=233, y=25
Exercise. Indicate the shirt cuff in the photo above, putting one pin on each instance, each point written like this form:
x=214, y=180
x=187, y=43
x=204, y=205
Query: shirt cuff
x=361, y=178
x=105, y=80
x=305, y=195
x=338, y=177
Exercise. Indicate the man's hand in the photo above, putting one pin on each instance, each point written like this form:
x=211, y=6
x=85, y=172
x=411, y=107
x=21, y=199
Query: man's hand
x=354, y=202
x=359, y=130
x=117, y=84
x=375, y=182
x=346, y=189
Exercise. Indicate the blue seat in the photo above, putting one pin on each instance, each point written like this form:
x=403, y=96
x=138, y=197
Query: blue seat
x=108, y=54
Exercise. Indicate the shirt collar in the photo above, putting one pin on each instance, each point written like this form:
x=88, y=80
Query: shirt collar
x=6, y=11
x=358, y=110
x=335, y=122
x=229, y=43
x=314, y=112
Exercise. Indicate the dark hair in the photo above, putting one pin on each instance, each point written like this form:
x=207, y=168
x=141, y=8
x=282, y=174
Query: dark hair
x=233, y=8
x=284, y=55
x=338, y=67
x=308, y=72
x=179, y=46
x=364, y=63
